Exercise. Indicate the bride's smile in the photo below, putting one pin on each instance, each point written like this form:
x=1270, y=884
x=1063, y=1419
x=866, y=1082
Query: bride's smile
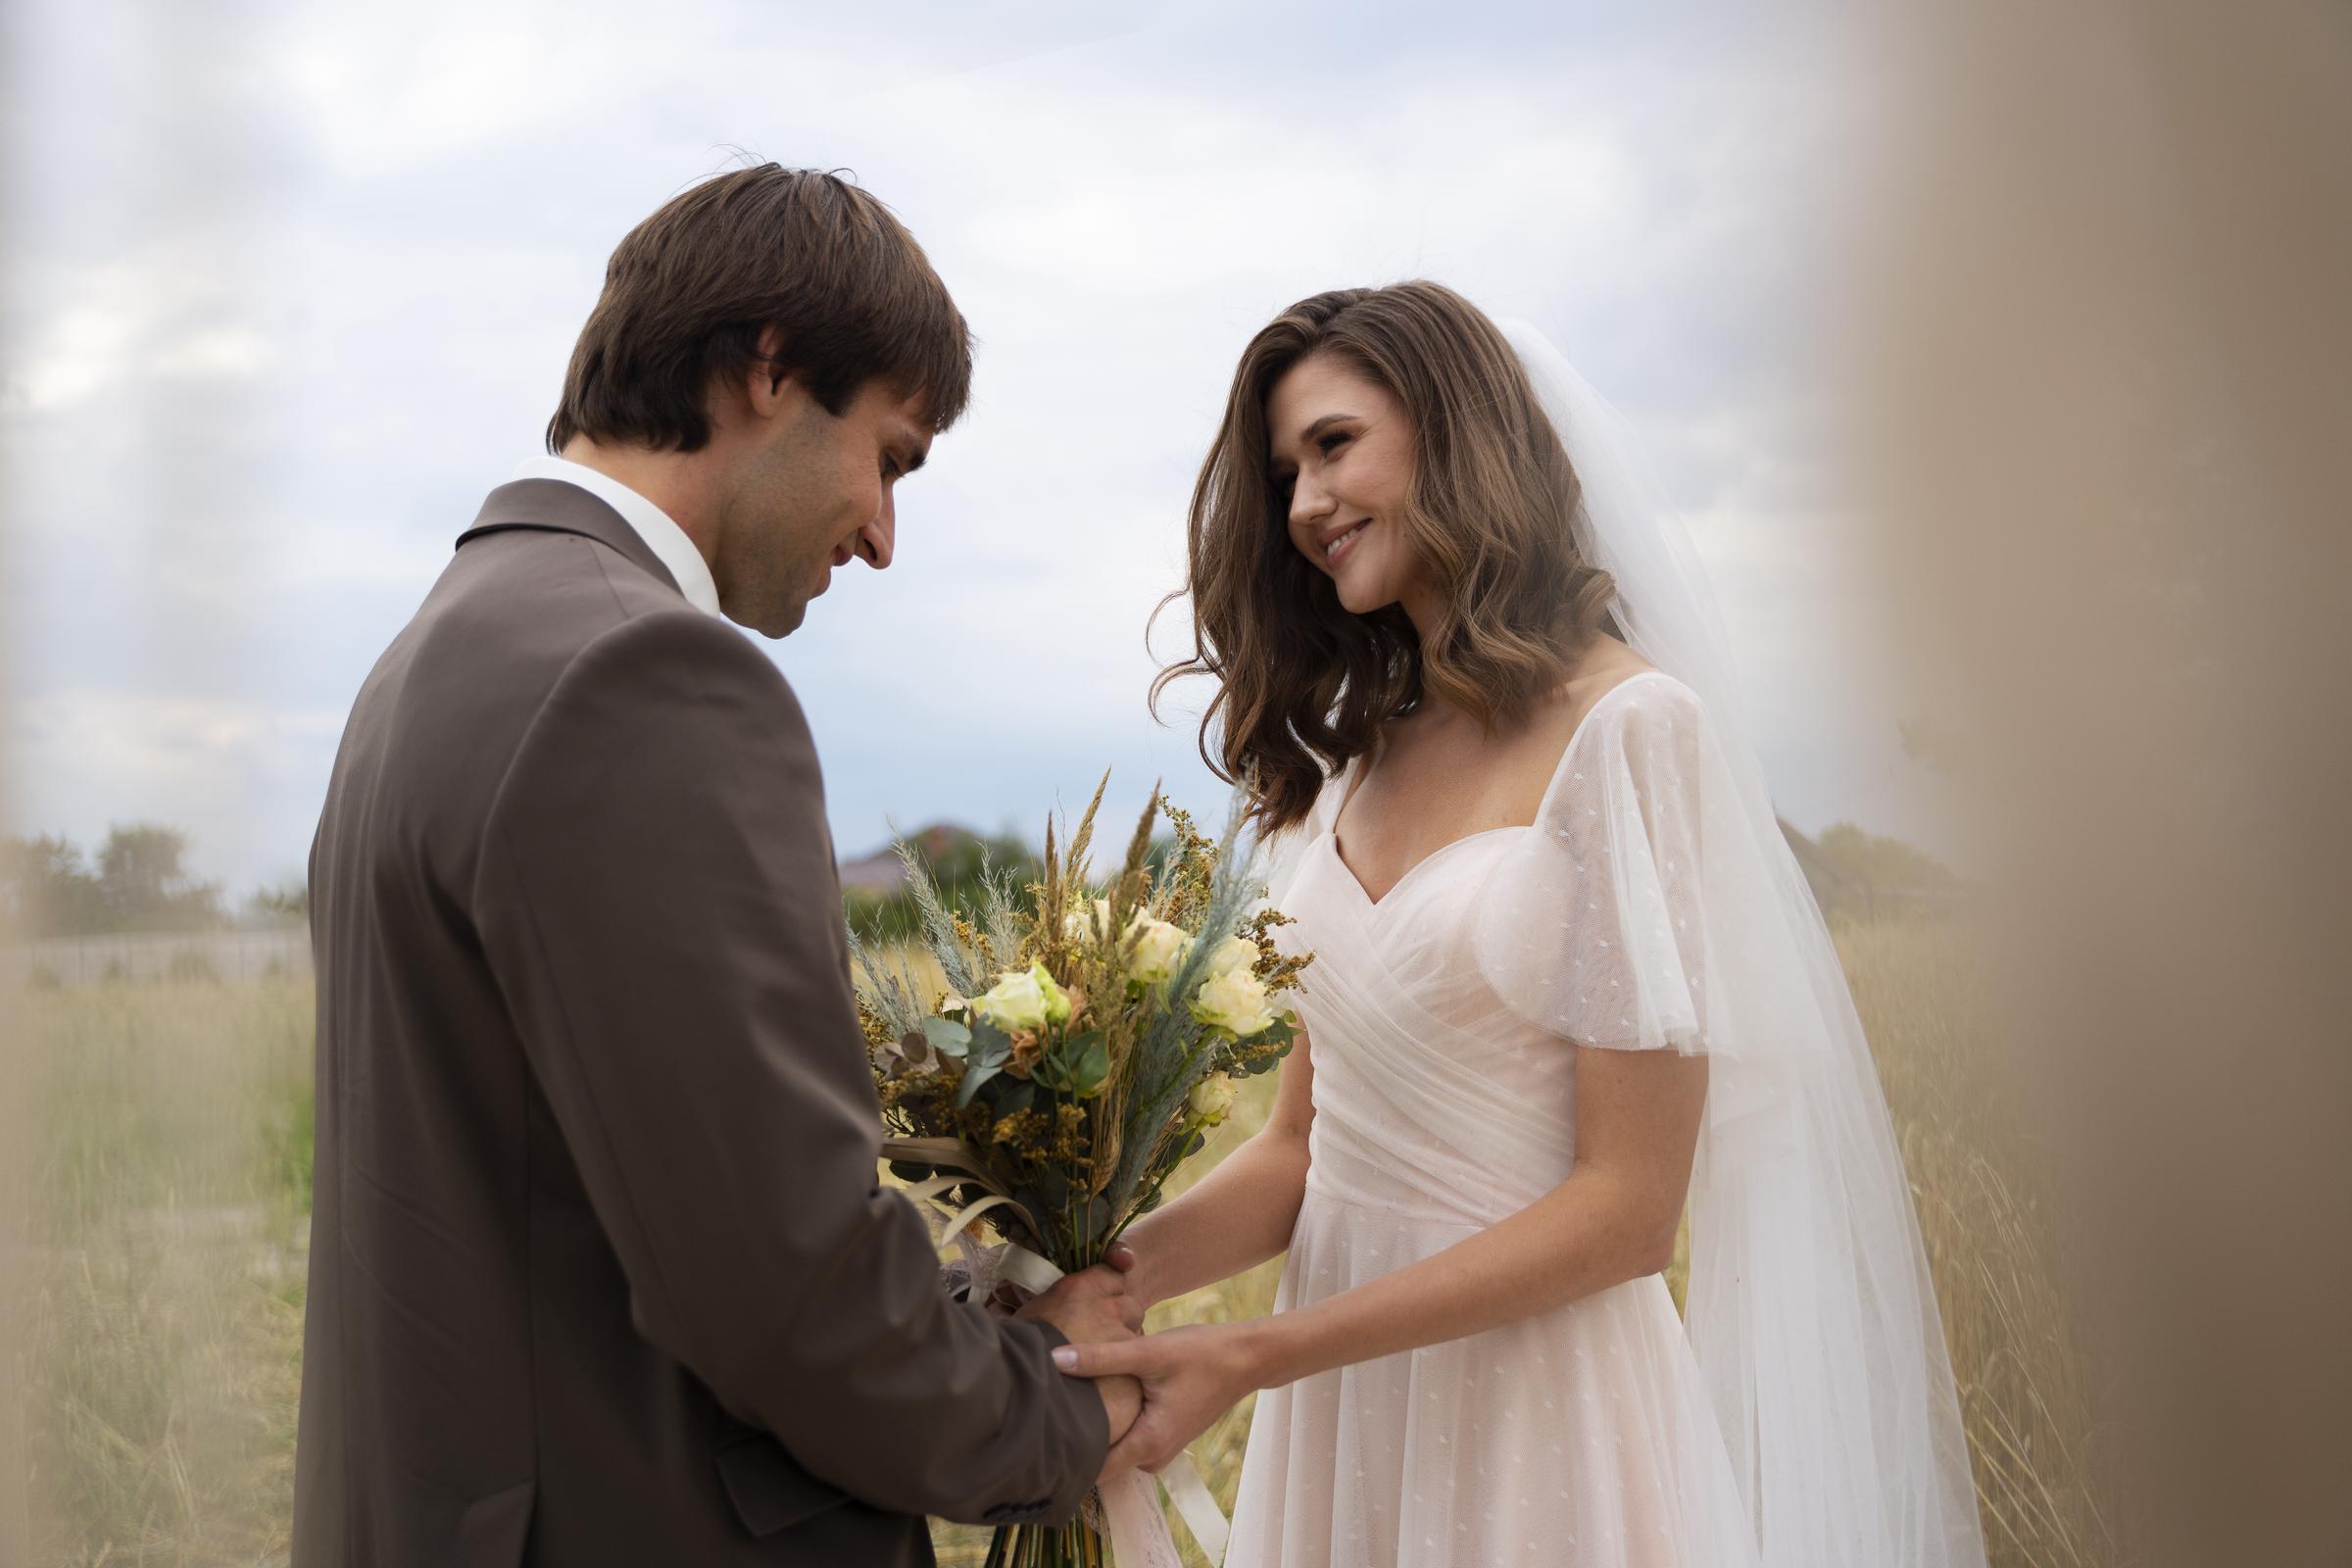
x=1336, y=545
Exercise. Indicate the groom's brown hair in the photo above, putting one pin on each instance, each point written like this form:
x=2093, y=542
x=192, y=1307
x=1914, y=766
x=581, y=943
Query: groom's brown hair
x=690, y=291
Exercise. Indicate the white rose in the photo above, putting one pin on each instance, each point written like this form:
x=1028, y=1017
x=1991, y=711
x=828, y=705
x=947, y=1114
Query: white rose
x=1212, y=1098
x=1085, y=925
x=1234, y=953
x=1017, y=1001
x=1236, y=1001
x=1158, y=948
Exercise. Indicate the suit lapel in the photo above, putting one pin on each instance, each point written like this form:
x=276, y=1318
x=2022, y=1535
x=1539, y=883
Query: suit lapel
x=553, y=507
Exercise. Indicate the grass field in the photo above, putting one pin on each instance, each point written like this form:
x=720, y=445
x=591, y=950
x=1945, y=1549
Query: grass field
x=172, y=1136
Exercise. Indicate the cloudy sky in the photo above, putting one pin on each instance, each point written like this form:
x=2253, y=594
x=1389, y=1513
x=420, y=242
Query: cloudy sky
x=288, y=293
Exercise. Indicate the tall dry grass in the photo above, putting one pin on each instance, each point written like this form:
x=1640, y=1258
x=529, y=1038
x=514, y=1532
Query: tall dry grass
x=170, y=1137
x=1926, y=993
x=170, y=1155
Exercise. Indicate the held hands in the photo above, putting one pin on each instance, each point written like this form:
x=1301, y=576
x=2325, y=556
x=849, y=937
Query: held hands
x=1093, y=1307
x=1190, y=1377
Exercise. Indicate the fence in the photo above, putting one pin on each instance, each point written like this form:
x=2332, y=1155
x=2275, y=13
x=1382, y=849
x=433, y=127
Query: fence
x=150, y=955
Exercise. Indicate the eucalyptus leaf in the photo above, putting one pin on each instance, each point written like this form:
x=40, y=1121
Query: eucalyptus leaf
x=990, y=1046
x=948, y=1037
x=1005, y=1092
x=1076, y=1066
x=1087, y=1062
x=973, y=1078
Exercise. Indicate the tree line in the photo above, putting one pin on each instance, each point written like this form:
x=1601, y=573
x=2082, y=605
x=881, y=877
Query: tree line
x=137, y=881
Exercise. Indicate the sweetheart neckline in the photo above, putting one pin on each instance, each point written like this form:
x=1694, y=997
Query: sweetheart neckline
x=1575, y=732
x=1332, y=837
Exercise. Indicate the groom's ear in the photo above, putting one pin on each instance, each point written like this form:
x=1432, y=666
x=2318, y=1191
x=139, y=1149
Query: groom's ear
x=766, y=377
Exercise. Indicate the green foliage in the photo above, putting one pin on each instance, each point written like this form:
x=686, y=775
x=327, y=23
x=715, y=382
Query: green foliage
x=46, y=889
x=1076, y=1066
x=984, y=1058
x=948, y=1037
x=141, y=883
x=144, y=885
x=288, y=901
x=958, y=866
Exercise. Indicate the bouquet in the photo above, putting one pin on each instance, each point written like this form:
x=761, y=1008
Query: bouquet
x=1084, y=1042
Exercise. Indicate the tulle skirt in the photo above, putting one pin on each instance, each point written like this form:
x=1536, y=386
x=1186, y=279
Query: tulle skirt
x=1578, y=1439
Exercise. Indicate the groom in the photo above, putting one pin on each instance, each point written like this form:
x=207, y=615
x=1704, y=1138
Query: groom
x=600, y=1269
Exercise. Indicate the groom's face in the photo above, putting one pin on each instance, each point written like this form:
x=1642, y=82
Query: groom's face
x=817, y=492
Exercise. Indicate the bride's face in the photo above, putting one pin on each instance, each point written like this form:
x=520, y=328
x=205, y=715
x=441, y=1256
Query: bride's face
x=1342, y=448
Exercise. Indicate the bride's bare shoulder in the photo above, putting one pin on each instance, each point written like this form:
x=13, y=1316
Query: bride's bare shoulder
x=1597, y=669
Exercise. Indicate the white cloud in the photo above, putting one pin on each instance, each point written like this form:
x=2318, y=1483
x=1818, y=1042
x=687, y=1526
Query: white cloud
x=385, y=90
x=85, y=759
x=177, y=307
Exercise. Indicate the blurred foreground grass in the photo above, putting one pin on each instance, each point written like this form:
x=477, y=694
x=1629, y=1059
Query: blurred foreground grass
x=171, y=1137
x=171, y=1126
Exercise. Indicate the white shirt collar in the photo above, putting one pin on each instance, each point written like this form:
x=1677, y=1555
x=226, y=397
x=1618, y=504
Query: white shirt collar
x=659, y=531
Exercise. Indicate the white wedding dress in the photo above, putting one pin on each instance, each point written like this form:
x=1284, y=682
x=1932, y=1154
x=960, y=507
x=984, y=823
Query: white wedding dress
x=1441, y=1019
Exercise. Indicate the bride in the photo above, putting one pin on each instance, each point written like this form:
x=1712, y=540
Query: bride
x=1567, y=977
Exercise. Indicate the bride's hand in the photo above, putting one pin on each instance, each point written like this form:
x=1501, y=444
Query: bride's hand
x=1191, y=1376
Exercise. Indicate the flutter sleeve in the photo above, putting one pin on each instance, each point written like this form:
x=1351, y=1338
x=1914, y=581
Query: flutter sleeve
x=1597, y=928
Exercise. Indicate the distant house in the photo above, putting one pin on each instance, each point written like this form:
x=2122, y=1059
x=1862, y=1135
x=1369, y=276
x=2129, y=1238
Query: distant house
x=881, y=874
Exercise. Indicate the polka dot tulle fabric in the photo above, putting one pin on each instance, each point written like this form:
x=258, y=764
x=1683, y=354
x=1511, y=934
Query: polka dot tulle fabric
x=1445, y=1019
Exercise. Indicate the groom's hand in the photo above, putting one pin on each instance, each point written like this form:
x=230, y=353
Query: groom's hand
x=1091, y=1307
x=1122, y=1403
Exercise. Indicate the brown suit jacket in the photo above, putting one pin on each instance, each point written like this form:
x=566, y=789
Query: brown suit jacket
x=600, y=1271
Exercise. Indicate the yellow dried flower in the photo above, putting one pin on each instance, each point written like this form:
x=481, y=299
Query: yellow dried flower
x=1022, y=1130
x=913, y=1088
x=1279, y=973
x=1071, y=1145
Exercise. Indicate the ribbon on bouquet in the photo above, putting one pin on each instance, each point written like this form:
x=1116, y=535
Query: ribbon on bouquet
x=1139, y=1531
x=1130, y=1501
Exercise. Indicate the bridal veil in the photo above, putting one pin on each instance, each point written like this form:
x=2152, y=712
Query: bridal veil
x=1811, y=1310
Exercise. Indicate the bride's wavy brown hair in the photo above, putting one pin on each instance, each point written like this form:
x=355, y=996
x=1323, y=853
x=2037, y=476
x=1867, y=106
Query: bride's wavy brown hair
x=1303, y=685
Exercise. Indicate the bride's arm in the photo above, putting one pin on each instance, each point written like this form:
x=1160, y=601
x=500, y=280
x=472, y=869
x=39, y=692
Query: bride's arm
x=1613, y=1219
x=1241, y=1212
